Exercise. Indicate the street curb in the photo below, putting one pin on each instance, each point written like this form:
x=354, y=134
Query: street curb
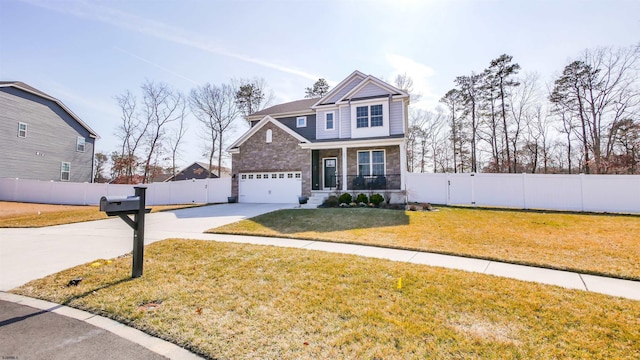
x=158, y=346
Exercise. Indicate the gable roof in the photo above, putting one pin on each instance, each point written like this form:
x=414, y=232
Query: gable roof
x=24, y=87
x=259, y=125
x=292, y=107
x=365, y=80
x=324, y=100
x=377, y=82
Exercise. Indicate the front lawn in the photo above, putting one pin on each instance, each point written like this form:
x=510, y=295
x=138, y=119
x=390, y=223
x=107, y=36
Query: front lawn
x=599, y=244
x=235, y=301
x=28, y=215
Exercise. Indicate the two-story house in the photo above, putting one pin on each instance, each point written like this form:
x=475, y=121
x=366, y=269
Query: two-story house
x=350, y=140
x=41, y=139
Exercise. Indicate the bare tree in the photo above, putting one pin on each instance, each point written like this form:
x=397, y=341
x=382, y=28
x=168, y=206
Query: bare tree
x=162, y=106
x=216, y=108
x=405, y=82
x=131, y=132
x=176, y=137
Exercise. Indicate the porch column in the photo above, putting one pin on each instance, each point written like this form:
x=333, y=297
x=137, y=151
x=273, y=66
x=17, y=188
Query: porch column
x=344, y=168
x=403, y=165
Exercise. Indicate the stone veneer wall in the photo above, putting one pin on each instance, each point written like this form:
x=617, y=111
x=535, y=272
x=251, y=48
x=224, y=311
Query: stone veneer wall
x=282, y=154
x=392, y=159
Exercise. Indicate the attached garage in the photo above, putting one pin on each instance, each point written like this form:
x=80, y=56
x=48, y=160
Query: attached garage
x=270, y=187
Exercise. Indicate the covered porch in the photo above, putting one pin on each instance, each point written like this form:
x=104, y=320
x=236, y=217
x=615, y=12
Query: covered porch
x=357, y=166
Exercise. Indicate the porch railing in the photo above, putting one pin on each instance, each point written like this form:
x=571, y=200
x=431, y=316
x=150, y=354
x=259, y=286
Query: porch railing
x=369, y=182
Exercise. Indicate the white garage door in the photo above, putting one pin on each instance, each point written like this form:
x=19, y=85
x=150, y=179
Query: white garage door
x=272, y=187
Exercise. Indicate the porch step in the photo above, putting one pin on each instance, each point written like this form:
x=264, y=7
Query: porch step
x=314, y=201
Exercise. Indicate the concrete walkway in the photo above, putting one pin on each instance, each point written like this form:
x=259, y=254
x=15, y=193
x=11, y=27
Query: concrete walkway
x=29, y=254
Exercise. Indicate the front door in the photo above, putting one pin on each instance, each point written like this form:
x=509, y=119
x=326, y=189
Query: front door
x=330, y=173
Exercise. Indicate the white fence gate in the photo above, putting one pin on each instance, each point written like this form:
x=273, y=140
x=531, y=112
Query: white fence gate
x=166, y=193
x=597, y=193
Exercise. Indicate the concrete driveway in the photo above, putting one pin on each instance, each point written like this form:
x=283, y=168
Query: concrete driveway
x=29, y=254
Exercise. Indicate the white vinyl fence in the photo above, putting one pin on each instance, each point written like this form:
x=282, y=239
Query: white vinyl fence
x=597, y=193
x=166, y=193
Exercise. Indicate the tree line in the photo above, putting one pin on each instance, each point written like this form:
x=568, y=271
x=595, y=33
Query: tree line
x=153, y=125
x=501, y=120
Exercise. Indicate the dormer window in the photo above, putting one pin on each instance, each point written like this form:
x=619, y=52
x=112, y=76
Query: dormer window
x=301, y=121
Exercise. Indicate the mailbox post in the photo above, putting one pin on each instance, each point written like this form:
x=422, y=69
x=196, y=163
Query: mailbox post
x=123, y=207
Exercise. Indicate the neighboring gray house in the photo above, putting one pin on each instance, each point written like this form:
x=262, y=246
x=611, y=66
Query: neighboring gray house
x=350, y=140
x=41, y=139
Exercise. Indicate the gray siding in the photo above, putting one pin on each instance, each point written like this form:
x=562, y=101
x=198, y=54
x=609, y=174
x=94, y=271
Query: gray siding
x=396, y=119
x=345, y=122
x=308, y=132
x=321, y=133
x=51, y=139
x=344, y=90
x=369, y=90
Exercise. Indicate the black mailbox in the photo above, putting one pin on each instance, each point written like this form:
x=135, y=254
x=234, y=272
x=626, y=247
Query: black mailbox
x=123, y=206
x=115, y=205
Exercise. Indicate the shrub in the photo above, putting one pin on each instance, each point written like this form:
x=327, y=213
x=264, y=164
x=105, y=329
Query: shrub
x=345, y=198
x=331, y=201
x=362, y=198
x=376, y=199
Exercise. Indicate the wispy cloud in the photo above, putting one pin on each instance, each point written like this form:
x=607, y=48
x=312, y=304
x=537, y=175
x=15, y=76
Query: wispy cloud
x=121, y=19
x=420, y=74
x=156, y=65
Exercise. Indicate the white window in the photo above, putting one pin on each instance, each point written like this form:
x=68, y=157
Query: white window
x=301, y=121
x=371, y=163
x=80, y=141
x=269, y=135
x=22, y=130
x=370, y=119
x=329, y=123
x=65, y=171
x=369, y=116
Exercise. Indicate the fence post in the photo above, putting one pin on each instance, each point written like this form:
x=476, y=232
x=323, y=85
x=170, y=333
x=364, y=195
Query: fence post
x=524, y=190
x=448, y=189
x=582, y=192
x=473, y=189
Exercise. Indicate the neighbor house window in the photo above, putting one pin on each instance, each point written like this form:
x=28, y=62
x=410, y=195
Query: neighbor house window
x=367, y=116
x=80, y=141
x=371, y=163
x=301, y=121
x=328, y=121
x=22, y=130
x=65, y=171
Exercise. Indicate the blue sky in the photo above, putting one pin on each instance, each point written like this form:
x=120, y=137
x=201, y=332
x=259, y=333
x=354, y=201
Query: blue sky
x=87, y=52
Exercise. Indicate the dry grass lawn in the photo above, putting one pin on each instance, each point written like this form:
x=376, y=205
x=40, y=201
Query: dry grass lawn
x=233, y=301
x=599, y=244
x=23, y=215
